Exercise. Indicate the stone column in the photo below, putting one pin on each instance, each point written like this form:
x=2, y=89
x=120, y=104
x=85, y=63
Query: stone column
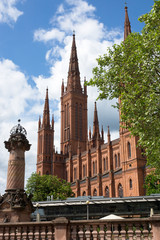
x=15, y=206
x=16, y=145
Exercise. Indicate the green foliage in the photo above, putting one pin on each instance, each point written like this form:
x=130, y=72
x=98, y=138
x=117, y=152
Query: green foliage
x=131, y=72
x=47, y=185
x=152, y=183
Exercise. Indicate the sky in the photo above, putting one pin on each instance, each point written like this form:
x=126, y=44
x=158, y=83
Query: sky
x=35, y=45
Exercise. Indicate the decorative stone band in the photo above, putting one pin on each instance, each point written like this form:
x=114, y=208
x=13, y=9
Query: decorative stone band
x=17, y=141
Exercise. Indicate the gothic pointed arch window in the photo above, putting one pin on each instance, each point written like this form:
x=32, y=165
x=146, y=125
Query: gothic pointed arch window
x=130, y=183
x=65, y=149
x=75, y=173
x=107, y=191
x=84, y=193
x=120, y=190
x=66, y=175
x=129, y=150
x=80, y=121
x=76, y=121
x=65, y=122
x=119, y=160
x=116, y=162
x=84, y=170
x=94, y=168
x=95, y=192
x=40, y=147
x=65, y=116
x=107, y=163
x=104, y=164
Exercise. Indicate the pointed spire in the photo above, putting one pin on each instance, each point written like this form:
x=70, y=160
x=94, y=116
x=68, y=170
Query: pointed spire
x=95, y=122
x=102, y=133
x=85, y=87
x=89, y=133
x=62, y=87
x=52, y=121
x=73, y=82
x=39, y=122
x=109, y=136
x=127, y=26
x=46, y=115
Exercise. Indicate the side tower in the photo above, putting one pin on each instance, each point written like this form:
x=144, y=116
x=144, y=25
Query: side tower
x=73, y=108
x=133, y=162
x=45, y=141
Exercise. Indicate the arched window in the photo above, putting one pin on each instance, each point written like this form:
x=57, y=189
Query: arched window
x=40, y=147
x=130, y=183
x=116, y=162
x=39, y=173
x=84, y=193
x=65, y=149
x=68, y=121
x=76, y=121
x=95, y=192
x=84, y=170
x=94, y=168
x=107, y=163
x=65, y=116
x=107, y=192
x=120, y=190
x=129, y=150
x=75, y=173
x=80, y=121
x=47, y=173
x=104, y=164
x=119, y=161
x=66, y=176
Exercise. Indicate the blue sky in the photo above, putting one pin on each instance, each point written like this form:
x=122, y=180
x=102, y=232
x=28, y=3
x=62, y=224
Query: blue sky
x=35, y=44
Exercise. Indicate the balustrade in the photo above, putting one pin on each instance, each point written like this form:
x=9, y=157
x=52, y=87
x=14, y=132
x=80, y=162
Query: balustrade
x=131, y=229
x=125, y=229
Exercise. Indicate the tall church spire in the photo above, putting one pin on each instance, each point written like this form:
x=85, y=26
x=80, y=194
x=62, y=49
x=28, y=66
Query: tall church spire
x=95, y=123
x=73, y=83
x=127, y=25
x=46, y=115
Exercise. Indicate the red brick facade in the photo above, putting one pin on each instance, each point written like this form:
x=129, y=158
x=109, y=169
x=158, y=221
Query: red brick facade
x=112, y=169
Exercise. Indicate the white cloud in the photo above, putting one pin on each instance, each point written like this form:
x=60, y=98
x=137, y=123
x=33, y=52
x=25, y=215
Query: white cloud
x=15, y=97
x=8, y=11
x=45, y=36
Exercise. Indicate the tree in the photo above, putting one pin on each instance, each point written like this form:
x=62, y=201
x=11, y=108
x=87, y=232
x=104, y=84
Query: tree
x=47, y=185
x=152, y=183
x=131, y=72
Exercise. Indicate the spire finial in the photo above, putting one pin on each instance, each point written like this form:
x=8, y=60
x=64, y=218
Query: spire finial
x=74, y=32
x=127, y=26
x=125, y=3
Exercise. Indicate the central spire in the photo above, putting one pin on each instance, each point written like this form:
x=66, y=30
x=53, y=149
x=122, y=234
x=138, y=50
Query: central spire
x=73, y=83
x=127, y=25
x=46, y=115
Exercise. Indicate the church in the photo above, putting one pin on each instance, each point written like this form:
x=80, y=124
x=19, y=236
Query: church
x=93, y=167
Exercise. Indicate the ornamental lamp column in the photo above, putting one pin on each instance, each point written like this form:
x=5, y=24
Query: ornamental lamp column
x=16, y=145
x=15, y=205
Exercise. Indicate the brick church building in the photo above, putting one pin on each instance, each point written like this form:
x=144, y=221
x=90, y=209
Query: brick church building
x=112, y=169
